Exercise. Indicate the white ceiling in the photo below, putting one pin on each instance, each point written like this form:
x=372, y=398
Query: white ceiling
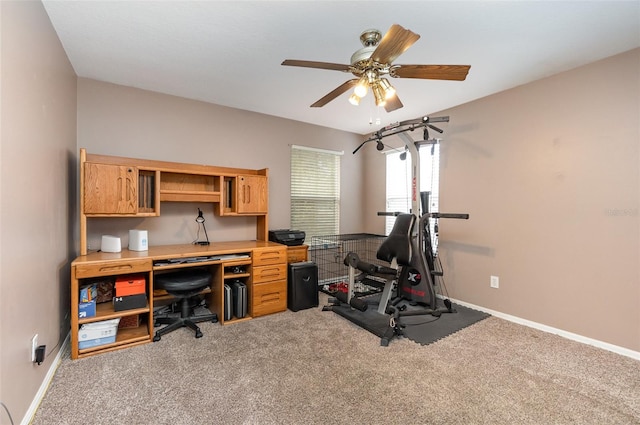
x=229, y=52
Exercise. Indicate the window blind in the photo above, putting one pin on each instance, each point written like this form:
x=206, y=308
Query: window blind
x=315, y=191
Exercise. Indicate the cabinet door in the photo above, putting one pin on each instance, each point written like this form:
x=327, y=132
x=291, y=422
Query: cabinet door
x=252, y=195
x=110, y=189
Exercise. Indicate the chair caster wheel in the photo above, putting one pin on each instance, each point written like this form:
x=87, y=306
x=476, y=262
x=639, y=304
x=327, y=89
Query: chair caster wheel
x=198, y=334
x=156, y=338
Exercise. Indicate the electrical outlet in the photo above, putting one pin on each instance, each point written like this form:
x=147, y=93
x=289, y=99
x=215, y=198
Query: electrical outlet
x=34, y=346
x=495, y=282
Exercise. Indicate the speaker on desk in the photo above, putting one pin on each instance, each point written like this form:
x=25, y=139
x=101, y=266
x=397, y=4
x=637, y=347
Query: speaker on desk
x=302, y=287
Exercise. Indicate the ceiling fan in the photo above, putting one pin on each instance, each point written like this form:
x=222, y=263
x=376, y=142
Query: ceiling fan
x=374, y=61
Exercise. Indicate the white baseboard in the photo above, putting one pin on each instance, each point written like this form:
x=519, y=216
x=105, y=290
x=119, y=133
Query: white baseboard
x=28, y=417
x=569, y=335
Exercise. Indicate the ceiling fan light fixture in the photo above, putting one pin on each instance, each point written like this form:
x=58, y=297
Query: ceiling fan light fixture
x=354, y=99
x=361, y=88
x=378, y=93
x=387, y=88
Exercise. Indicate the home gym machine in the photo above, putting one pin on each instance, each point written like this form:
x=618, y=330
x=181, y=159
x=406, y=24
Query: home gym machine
x=410, y=279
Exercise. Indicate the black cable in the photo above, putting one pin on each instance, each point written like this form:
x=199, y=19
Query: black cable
x=205, y=232
x=8, y=413
x=195, y=241
x=426, y=322
x=53, y=350
x=442, y=282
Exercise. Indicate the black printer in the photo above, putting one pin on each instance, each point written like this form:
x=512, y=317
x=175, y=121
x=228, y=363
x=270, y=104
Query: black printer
x=287, y=236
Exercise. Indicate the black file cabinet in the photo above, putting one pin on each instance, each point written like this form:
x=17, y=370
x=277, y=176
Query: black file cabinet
x=302, y=286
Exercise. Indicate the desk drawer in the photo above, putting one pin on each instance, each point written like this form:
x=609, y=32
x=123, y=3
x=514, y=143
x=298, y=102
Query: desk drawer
x=297, y=254
x=268, y=256
x=269, y=273
x=112, y=268
x=269, y=298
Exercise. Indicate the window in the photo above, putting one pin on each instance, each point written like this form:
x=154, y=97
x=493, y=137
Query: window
x=315, y=191
x=399, y=181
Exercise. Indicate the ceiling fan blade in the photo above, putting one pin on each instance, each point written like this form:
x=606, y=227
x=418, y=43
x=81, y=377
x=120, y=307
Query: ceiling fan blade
x=393, y=103
x=432, y=72
x=394, y=43
x=319, y=65
x=335, y=93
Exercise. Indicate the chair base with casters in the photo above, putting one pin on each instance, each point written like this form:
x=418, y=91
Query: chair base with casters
x=184, y=285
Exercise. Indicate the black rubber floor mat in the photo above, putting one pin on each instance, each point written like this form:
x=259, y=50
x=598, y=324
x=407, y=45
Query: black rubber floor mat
x=423, y=329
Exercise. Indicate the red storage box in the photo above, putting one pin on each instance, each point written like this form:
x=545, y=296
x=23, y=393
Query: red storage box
x=130, y=285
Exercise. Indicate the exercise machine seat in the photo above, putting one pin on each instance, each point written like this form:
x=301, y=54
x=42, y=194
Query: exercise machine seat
x=398, y=244
x=183, y=284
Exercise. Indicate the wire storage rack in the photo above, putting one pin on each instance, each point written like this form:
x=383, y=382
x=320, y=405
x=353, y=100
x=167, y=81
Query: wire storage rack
x=329, y=251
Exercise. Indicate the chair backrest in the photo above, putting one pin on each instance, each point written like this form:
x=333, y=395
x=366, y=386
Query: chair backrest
x=398, y=244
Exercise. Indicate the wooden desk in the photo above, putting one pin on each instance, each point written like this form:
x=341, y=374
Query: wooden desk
x=262, y=265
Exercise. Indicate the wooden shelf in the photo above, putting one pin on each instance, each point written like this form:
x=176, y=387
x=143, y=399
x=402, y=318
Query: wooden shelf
x=235, y=275
x=125, y=336
x=235, y=320
x=188, y=196
x=104, y=311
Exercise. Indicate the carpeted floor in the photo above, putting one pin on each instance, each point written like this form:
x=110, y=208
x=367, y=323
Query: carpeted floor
x=314, y=367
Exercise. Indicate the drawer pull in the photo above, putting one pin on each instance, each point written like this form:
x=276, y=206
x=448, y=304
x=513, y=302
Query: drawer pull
x=270, y=272
x=271, y=297
x=269, y=257
x=116, y=268
x=270, y=254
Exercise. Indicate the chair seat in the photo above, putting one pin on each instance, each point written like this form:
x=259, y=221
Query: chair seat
x=183, y=281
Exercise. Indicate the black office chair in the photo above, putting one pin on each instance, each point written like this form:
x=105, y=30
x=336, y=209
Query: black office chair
x=184, y=285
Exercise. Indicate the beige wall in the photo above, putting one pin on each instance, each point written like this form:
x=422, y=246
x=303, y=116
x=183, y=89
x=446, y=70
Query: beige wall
x=117, y=120
x=549, y=174
x=38, y=186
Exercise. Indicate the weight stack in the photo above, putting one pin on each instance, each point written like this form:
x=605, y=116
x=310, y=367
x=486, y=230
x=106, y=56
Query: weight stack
x=302, y=286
